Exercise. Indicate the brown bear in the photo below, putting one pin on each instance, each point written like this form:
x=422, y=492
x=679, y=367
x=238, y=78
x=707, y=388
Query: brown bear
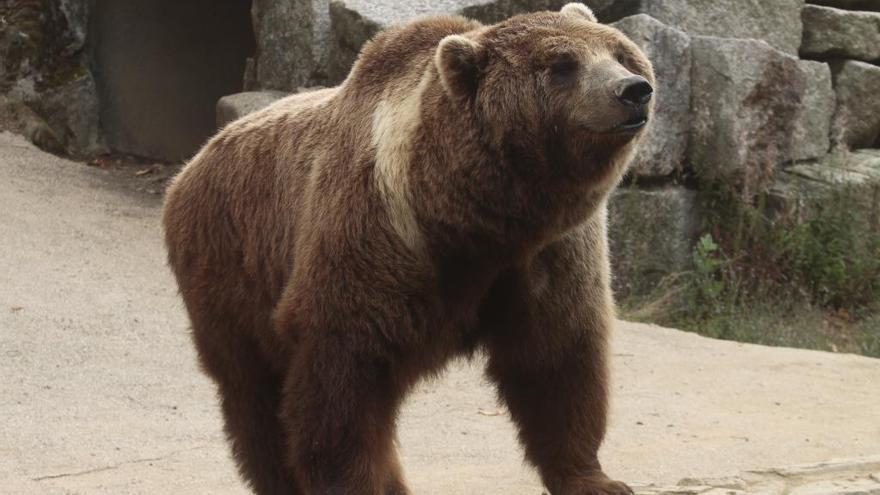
x=447, y=198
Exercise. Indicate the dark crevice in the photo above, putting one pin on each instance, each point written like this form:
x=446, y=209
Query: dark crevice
x=160, y=67
x=864, y=5
x=618, y=10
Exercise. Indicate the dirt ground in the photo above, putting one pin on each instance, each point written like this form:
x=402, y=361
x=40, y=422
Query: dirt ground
x=101, y=393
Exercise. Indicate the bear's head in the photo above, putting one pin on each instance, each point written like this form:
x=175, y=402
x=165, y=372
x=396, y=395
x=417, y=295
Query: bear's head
x=554, y=93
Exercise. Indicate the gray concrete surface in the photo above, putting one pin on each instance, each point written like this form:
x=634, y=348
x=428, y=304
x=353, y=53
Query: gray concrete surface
x=100, y=394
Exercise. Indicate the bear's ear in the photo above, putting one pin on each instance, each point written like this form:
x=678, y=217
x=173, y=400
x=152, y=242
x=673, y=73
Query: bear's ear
x=579, y=9
x=459, y=62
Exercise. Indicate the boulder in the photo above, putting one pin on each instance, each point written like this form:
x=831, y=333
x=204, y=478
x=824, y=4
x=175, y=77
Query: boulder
x=665, y=146
x=20, y=119
x=651, y=235
x=351, y=30
x=804, y=188
x=778, y=22
x=42, y=41
x=866, y=5
x=356, y=21
x=856, y=168
x=72, y=110
x=493, y=11
x=233, y=107
x=747, y=100
x=75, y=15
x=48, y=91
x=293, y=39
x=835, y=33
x=857, y=118
x=812, y=129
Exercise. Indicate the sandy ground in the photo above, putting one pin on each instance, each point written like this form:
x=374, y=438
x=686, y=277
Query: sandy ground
x=100, y=394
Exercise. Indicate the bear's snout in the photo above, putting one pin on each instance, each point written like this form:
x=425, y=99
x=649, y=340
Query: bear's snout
x=635, y=92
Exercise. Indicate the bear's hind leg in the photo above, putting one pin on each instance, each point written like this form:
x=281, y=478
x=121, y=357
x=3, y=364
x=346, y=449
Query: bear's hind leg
x=250, y=392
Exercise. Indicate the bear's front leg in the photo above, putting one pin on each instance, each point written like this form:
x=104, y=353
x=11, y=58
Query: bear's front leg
x=340, y=404
x=547, y=326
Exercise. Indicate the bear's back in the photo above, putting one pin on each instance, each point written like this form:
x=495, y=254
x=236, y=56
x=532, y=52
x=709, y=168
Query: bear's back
x=234, y=204
x=235, y=214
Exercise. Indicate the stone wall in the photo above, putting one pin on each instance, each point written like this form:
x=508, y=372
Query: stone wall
x=781, y=94
x=760, y=97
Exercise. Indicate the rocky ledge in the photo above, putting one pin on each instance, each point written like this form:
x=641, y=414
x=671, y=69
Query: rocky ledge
x=839, y=477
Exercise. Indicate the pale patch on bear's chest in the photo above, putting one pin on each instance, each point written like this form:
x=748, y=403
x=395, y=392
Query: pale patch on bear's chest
x=395, y=122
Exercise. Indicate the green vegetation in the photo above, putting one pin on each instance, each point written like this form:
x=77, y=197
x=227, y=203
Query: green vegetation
x=806, y=279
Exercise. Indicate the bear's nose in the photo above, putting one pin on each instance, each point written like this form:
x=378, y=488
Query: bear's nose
x=634, y=90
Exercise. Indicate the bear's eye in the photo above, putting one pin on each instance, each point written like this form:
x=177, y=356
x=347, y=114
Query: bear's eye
x=564, y=66
x=621, y=58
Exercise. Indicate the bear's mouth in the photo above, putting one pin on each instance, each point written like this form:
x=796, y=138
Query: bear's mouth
x=634, y=123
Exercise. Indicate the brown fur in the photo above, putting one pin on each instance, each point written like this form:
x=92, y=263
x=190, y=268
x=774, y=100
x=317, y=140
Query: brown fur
x=338, y=246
